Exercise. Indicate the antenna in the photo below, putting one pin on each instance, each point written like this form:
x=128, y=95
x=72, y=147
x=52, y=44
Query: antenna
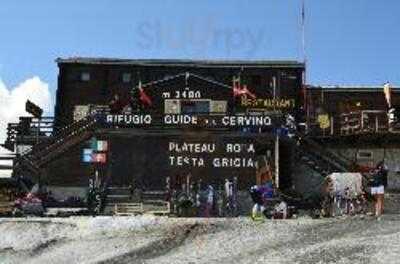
x=303, y=33
x=304, y=55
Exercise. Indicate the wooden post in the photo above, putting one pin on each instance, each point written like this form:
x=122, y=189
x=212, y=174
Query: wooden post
x=362, y=121
x=37, y=142
x=188, y=183
x=96, y=178
x=277, y=160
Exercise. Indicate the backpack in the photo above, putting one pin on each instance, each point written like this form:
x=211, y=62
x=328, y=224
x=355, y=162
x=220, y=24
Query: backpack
x=384, y=177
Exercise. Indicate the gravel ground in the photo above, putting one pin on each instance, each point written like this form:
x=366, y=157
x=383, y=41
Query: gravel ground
x=148, y=239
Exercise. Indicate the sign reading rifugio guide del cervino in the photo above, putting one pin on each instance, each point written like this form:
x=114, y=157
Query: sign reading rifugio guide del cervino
x=190, y=120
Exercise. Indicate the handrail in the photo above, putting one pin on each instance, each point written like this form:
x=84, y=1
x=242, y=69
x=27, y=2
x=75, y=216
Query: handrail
x=36, y=156
x=353, y=122
x=360, y=122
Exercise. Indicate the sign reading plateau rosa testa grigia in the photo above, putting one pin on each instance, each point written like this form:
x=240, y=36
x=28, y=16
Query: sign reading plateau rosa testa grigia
x=190, y=120
x=211, y=154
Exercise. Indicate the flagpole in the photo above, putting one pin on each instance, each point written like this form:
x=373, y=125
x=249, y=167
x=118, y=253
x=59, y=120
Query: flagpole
x=303, y=32
x=304, y=55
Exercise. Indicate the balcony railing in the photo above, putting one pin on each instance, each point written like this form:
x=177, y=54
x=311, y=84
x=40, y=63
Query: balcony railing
x=355, y=122
x=366, y=121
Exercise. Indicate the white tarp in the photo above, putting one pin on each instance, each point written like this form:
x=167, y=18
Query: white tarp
x=351, y=180
x=5, y=173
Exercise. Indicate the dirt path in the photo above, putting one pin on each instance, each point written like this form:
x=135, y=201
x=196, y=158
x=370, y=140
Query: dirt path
x=168, y=240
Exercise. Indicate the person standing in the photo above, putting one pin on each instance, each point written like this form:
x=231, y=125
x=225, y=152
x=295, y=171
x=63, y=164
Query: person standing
x=384, y=171
x=228, y=189
x=198, y=204
x=378, y=188
x=235, y=195
x=210, y=200
x=228, y=196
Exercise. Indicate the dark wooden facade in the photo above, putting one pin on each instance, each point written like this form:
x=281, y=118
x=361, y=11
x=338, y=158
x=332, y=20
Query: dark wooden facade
x=141, y=154
x=106, y=78
x=340, y=103
x=338, y=100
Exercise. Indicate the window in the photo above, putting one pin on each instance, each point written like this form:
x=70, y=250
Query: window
x=195, y=106
x=126, y=77
x=255, y=81
x=85, y=76
x=365, y=154
x=172, y=106
x=218, y=106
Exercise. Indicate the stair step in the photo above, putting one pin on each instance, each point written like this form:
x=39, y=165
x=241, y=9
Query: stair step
x=118, y=196
x=117, y=192
x=118, y=200
x=154, y=192
x=118, y=188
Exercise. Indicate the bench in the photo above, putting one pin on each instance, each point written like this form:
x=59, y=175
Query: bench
x=6, y=207
x=157, y=207
x=128, y=209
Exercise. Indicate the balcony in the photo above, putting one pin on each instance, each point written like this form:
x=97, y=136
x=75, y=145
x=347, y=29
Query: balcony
x=361, y=122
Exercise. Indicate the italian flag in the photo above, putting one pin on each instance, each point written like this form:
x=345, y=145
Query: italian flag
x=102, y=145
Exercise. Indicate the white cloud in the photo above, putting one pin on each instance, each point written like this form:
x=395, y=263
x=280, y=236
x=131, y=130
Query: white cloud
x=12, y=102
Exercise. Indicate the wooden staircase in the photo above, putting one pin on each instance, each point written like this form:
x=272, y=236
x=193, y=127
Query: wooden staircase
x=6, y=205
x=321, y=159
x=49, y=149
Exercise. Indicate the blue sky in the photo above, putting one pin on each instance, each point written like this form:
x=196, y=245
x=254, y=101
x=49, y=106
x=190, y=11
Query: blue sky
x=348, y=42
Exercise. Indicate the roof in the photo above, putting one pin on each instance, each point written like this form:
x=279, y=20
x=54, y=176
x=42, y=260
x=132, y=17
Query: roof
x=186, y=75
x=355, y=88
x=183, y=62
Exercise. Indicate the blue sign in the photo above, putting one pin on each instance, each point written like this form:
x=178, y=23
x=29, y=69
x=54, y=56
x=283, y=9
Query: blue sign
x=87, y=151
x=87, y=158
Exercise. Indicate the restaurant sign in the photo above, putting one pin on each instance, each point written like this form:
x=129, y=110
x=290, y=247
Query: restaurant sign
x=268, y=103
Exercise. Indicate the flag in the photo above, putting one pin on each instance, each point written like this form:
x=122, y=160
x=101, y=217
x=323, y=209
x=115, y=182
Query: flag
x=87, y=155
x=239, y=90
x=144, y=98
x=247, y=92
x=87, y=151
x=236, y=87
x=388, y=94
x=93, y=143
x=102, y=145
x=99, y=158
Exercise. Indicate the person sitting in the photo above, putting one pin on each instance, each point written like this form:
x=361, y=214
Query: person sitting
x=114, y=105
x=258, y=208
x=280, y=211
x=117, y=104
